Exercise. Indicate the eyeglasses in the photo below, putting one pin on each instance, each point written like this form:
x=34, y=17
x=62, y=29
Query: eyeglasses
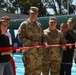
x=4, y=25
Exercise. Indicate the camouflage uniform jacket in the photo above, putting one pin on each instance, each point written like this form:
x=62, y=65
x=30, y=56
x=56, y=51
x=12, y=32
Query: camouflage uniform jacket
x=52, y=38
x=30, y=32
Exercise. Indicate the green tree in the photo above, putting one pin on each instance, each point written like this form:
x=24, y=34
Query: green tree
x=1, y=3
x=7, y=5
x=69, y=6
x=25, y=6
x=59, y=5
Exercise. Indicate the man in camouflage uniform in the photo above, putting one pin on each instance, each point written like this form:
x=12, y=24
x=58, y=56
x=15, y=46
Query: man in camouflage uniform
x=52, y=57
x=30, y=34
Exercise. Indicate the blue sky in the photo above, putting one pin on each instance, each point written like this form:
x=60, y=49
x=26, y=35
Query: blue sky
x=74, y=2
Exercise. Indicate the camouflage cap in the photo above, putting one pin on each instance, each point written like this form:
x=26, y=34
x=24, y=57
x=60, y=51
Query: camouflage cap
x=34, y=9
x=52, y=19
x=70, y=20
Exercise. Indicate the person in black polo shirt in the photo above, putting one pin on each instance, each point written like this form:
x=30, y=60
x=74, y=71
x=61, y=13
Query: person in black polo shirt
x=4, y=55
x=71, y=24
x=67, y=57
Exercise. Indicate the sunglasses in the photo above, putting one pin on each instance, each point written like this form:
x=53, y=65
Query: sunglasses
x=4, y=25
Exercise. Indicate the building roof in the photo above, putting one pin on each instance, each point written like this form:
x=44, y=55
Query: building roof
x=12, y=15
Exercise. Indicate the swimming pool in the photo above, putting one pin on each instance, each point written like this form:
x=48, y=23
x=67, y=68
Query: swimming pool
x=20, y=68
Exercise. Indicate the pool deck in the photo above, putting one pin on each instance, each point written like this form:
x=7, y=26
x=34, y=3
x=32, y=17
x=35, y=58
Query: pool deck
x=20, y=68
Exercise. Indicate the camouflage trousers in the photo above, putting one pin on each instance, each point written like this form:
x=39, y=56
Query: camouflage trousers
x=50, y=65
x=32, y=60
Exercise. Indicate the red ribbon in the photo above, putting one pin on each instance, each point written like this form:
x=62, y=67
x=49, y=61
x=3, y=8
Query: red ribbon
x=26, y=48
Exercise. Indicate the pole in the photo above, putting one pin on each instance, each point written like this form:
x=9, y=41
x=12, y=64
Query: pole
x=67, y=7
